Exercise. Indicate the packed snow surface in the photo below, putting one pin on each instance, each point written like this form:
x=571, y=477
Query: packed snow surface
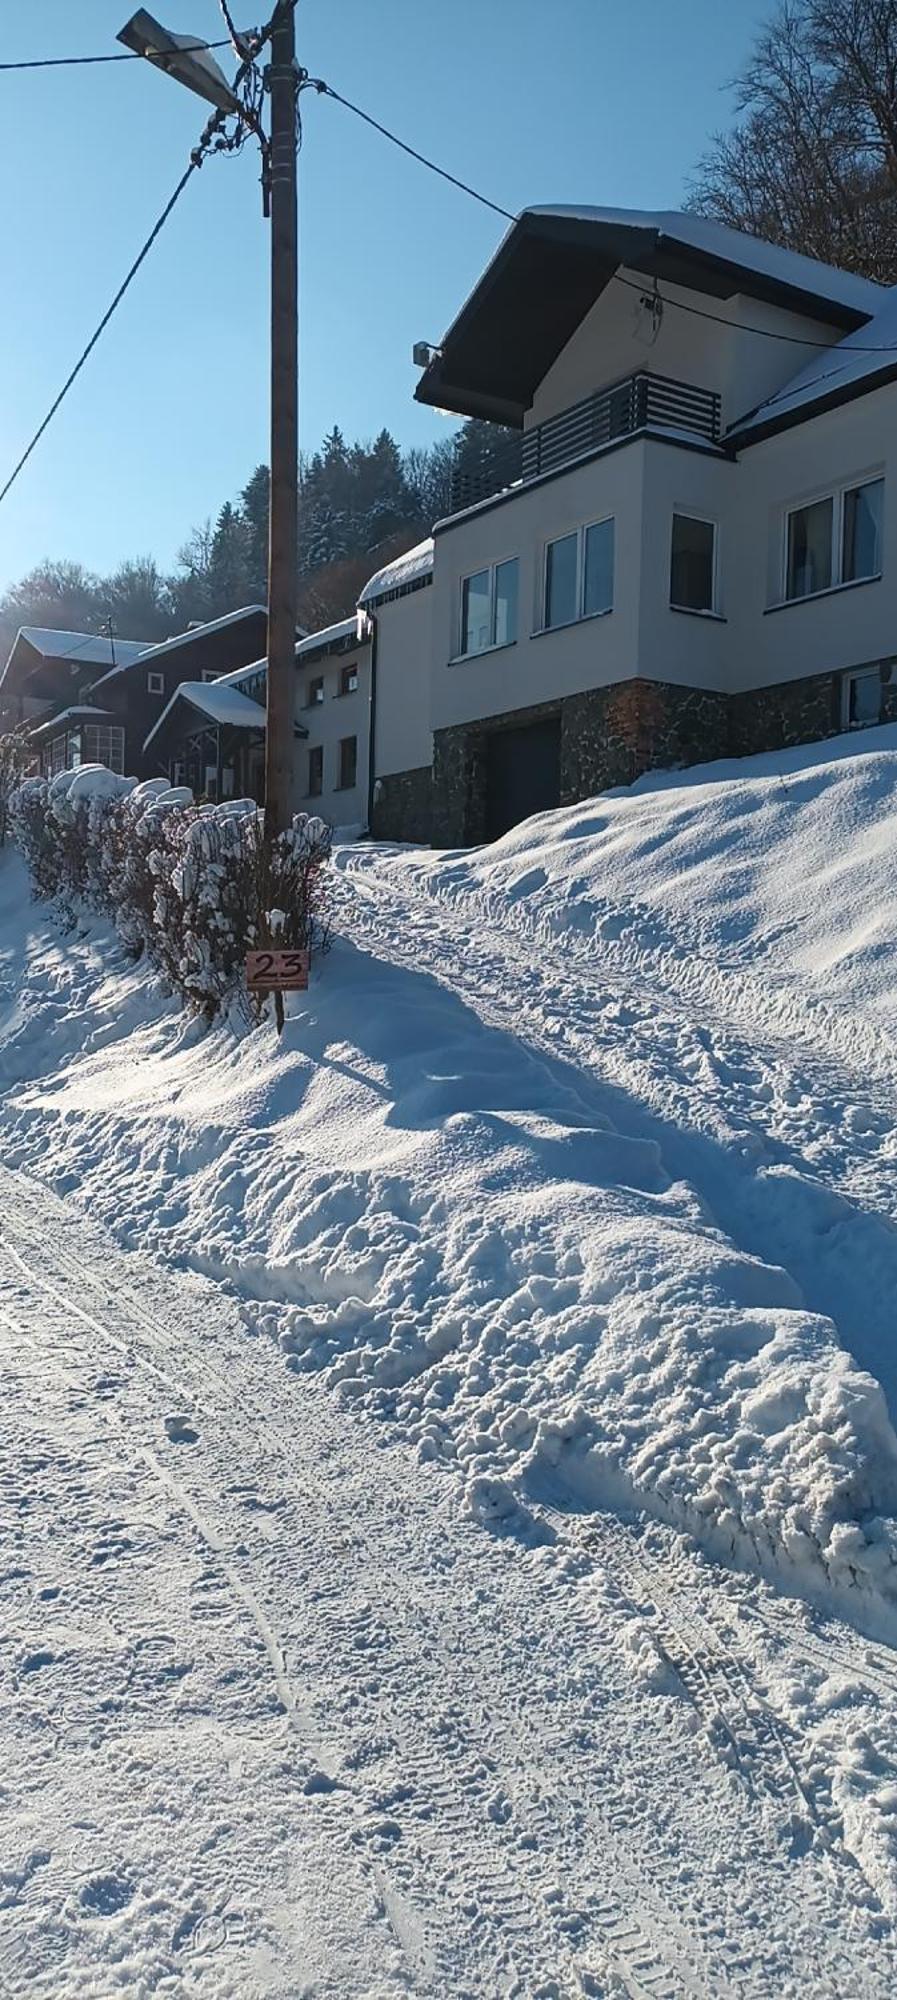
x=563, y=1216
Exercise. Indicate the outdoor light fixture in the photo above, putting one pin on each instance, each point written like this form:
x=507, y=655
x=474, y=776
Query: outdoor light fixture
x=183, y=56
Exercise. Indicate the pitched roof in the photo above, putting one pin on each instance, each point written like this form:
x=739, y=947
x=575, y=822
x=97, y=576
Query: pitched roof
x=554, y=263
x=90, y=648
x=407, y=569
x=218, y=702
x=68, y=715
x=193, y=634
x=864, y=361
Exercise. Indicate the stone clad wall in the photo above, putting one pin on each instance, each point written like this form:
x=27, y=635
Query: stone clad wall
x=776, y=718
x=609, y=737
x=403, y=806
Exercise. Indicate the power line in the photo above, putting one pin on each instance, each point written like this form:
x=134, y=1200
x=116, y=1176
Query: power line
x=80, y=62
x=195, y=162
x=326, y=90
x=697, y=312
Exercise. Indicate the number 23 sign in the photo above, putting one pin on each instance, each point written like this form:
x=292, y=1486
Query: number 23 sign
x=277, y=971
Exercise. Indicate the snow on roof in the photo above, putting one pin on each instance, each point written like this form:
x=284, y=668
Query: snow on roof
x=406, y=569
x=67, y=715
x=734, y=246
x=91, y=647
x=860, y=360
x=216, y=700
x=238, y=675
x=195, y=632
x=316, y=641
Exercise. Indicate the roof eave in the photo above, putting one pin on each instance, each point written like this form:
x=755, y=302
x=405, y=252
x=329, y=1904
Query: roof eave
x=786, y=420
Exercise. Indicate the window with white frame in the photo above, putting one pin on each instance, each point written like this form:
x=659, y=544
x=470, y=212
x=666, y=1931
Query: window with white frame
x=579, y=575
x=489, y=607
x=155, y=683
x=693, y=564
x=862, y=699
x=836, y=539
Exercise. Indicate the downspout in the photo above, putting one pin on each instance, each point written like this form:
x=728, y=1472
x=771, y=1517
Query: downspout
x=372, y=726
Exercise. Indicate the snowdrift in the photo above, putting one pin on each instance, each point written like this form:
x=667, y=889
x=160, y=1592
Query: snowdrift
x=508, y=1217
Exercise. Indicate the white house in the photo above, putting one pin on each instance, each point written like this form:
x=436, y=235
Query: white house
x=695, y=554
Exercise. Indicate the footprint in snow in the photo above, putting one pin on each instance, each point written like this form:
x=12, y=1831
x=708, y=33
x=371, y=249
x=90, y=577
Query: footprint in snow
x=105, y=1895
x=181, y=1431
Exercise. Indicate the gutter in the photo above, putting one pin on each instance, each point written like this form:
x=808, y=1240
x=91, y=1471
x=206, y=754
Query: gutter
x=372, y=725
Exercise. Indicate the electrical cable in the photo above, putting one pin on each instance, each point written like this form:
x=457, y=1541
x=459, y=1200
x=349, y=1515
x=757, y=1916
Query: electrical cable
x=678, y=305
x=326, y=90
x=81, y=62
x=195, y=162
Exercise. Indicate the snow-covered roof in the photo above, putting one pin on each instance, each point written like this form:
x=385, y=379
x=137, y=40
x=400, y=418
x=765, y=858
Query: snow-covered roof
x=331, y=634
x=406, y=569
x=90, y=647
x=859, y=362
x=554, y=263
x=67, y=715
x=734, y=246
x=218, y=702
x=238, y=675
x=195, y=632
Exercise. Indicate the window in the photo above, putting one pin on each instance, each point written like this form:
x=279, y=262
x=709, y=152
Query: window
x=315, y=692
x=579, y=575
x=348, y=680
x=155, y=683
x=834, y=540
x=208, y=674
x=348, y=763
x=316, y=771
x=861, y=531
x=862, y=699
x=103, y=744
x=692, y=564
x=810, y=549
x=489, y=607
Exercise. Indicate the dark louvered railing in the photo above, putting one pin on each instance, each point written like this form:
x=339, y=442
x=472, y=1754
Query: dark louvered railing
x=637, y=403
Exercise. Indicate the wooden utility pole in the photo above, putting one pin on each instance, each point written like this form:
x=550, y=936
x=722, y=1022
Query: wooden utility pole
x=284, y=504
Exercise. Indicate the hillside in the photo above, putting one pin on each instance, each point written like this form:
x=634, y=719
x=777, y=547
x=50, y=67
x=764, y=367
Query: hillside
x=569, y=1196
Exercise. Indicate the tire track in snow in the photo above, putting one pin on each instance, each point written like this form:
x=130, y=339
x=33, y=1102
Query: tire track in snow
x=503, y=1890
x=739, y=1721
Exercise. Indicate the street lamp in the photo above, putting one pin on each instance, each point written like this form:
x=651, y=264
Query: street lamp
x=184, y=57
x=190, y=63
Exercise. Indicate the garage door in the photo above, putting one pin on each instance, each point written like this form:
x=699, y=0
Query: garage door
x=523, y=774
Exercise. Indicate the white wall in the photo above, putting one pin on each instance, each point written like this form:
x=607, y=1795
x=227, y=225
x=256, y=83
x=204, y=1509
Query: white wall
x=404, y=736
x=612, y=341
x=338, y=716
x=841, y=628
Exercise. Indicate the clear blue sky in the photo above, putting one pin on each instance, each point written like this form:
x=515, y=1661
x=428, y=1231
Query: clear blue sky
x=606, y=101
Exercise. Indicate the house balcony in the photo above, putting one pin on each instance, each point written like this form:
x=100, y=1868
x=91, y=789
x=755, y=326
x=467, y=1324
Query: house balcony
x=636, y=404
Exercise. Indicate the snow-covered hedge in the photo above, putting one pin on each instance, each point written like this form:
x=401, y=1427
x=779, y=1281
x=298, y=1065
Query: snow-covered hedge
x=192, y=887
x=14, y=755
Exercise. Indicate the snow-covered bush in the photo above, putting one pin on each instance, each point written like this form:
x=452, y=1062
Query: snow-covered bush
x=14, y=755
x=193, y=888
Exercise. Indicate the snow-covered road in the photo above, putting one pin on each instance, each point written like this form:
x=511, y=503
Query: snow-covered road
x=377, y=1402
x=277, y=1722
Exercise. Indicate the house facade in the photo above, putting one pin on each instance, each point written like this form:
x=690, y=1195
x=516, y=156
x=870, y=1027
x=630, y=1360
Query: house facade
x=697, y=556
x=89, y=699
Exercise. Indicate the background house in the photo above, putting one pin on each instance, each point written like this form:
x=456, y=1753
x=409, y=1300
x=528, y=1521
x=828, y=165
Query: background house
x=92, y=699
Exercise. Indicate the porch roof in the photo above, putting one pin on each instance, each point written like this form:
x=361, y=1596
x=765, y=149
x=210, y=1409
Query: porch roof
x=219, y=704
x=69, y=715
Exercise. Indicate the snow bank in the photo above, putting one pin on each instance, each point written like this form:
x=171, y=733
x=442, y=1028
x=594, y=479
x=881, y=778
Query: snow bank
x=778, y=869
x=552, y=1265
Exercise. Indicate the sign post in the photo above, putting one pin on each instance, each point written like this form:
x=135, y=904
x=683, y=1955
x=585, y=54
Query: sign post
x=277, y=971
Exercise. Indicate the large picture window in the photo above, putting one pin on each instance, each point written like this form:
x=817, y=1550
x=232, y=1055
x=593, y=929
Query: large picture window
x=834, y=540
x=579, y=575
x=693, y=564
x=489, y=607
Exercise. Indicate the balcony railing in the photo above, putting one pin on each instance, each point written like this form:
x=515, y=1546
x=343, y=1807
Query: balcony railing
x=637, y=403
